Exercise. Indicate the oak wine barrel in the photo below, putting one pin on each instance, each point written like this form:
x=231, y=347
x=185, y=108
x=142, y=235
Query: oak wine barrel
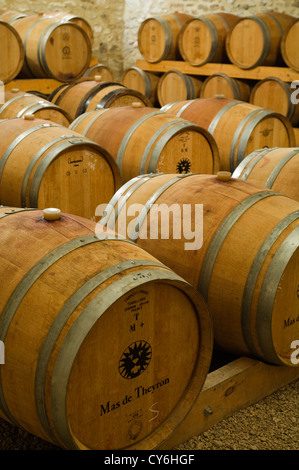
x=92, y=361
x=238, y=128
x=288, y=46
x=53, y=96
x=101, y=70
x=90, y=94
x=45, y=164
x=78, y=20
x=202, y=39
x=176, y=86
x=275, y=168
x=12, y=52
x=11, y=15
x=255, y=40
x=296, y=132
x=17, y=104
x=240, y=251
x=142, y=81
x=158, y=36
x=228, y=87
x=275, y=94
x=53, y=49
x=143, y=140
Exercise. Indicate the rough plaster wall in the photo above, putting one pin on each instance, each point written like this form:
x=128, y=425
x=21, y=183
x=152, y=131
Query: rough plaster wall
x=115, y=23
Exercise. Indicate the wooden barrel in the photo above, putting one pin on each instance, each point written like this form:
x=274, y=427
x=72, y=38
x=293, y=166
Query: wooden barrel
x=12, y=52
x=17, y=104
x=148, y=140
x=78, y=20
x=176, y=86
x=142, y=81
x=90, y=94
x=239, y=249
x=53, y=49
x=275, y=94
x=288, y=46
x=158, y=36
x=56, y=92
x=228, y=87
x=255, y=40
x=11, y=15
x=101, y=70
x=43, y=163
x=202, y=39
x=276, y=169
x=239, y=128
x=90, y=346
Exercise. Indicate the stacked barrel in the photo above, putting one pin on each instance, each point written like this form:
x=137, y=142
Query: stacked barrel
x=264, y=39
x=110, y=317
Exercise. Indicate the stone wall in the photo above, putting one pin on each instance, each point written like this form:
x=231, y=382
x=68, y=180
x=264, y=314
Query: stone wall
x=115, y=24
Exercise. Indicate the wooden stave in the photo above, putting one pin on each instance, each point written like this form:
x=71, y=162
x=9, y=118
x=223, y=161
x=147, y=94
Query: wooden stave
x=200, y=273
x=49, y=428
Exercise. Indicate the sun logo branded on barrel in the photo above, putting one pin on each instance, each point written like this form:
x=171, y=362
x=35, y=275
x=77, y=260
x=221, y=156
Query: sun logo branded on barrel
x=135, y=359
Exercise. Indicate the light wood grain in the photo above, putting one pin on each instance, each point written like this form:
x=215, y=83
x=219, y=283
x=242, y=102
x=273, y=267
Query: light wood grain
x=63, y=320
x=276, y=169
x=47, y=165
x=233, y=267
x=257, y=73
x=239, y=128
x=53, y=49
x=288, y=46
x=158, y=36
x=176, y=86
x=17, y=104
x=277, y=95
x=12, y=52
x=148, y=140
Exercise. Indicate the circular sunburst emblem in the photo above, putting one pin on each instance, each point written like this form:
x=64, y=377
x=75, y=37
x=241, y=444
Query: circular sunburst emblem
x=135, y=359
x=183, y=166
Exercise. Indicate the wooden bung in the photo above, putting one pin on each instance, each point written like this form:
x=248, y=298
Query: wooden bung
x=243, y=255
x=44, y=164
x=238, y=128
x=82, y=369
x=148, y=140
